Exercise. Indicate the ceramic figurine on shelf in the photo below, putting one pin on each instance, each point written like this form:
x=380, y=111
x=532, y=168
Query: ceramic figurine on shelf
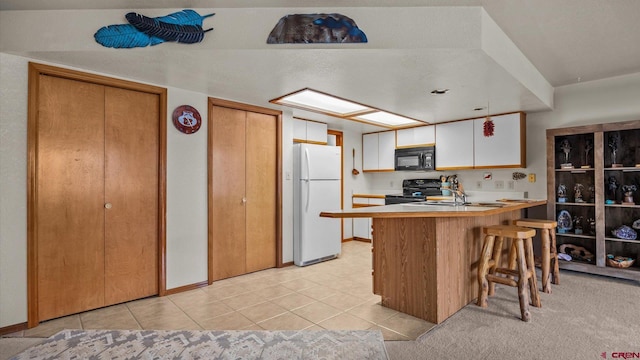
x=562, y=193
x=578, y=189
x=614, y=144
x=578, y=224
x=587, y=148
x=592, y=191
x=565, y=146
x=628, y=194
x=613, y=188
x=591, y=222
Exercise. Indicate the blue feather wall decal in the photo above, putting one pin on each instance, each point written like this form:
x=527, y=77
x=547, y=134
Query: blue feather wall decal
x=127, y=36
x=124, y=36
x=187, y=34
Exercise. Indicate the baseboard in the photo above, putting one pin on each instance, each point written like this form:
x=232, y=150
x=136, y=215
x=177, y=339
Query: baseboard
x=13, y=328
x=290, y=263
x=355, y=238
x=186, y=288
x=347, y=240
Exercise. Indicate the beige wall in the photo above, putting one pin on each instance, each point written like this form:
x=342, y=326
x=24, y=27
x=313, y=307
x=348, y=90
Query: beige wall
x=609, y=100
x=186, y=192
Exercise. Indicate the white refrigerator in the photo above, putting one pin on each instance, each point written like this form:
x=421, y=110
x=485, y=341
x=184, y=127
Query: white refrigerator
x=316, y=188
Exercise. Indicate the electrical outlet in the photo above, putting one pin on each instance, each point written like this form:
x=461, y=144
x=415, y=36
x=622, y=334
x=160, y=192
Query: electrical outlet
x=532, y=177
x=511, y=185
x=499, y=184
x=478, y=184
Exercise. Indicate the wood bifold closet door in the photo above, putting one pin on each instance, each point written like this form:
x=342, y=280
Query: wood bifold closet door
x=243, y=192
x=97, y=196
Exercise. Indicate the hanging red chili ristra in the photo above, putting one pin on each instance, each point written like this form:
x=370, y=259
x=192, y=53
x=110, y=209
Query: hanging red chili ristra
x=488, y=127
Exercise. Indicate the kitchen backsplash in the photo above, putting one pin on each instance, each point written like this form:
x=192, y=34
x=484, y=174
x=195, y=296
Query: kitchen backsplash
x=500, y=184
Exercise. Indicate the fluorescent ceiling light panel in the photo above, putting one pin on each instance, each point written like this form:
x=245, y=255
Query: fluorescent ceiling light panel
x=386, y=118
x=310, y=98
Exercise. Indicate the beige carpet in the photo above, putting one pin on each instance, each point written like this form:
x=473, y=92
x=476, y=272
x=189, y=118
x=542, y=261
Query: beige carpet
x=585, y=316
x=189, y=344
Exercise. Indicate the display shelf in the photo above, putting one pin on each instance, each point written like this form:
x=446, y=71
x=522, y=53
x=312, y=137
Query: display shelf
x=622, y=206
x=577, y=170
x=622, y=240
x=624, y=169
x=631, y=273
x=581, y=236
x=598, y=146
x=588, y=204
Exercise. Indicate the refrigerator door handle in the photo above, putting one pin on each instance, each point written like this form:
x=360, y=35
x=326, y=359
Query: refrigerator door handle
x=308, y=192
x=306, y=155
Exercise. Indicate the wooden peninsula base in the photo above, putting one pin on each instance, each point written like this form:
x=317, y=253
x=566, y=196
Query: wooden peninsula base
x=425, y=263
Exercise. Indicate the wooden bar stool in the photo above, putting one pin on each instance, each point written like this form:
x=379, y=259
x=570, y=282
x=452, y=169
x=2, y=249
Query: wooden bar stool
x=549, y=263
x=490, y=272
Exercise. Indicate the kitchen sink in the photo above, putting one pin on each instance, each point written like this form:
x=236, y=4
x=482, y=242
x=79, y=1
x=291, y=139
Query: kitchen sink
x=452, y=204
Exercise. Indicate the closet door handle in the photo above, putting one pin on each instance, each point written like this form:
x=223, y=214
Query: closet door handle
x=244, y=201
x=107, y=206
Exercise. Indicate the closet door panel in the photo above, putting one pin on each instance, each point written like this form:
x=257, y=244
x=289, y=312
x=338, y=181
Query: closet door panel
x=227, y=218
x=131, y=190
x=261, y=191
x=69, y=206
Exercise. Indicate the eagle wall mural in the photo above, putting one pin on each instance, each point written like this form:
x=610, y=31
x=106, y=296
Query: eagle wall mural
x=316, y=28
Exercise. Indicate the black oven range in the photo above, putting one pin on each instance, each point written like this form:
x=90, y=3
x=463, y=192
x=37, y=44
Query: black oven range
x=414, y=190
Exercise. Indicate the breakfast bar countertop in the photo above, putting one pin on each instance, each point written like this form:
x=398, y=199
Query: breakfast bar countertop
x=435, y=209
x=425, y=255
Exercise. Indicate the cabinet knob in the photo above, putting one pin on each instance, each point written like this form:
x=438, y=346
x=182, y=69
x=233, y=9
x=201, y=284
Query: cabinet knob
x=244, y=201
x=107, y=206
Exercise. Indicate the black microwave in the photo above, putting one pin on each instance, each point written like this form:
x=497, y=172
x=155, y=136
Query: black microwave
x=418, y=158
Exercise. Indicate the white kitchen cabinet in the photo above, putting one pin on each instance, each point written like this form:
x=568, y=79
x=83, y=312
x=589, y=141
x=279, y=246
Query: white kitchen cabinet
x=417, y=136
x=454, y=149
x=386, y=150
x=378, y=151
x=506, y=148
x=299, y=130
x=316, y=132
x=306, y=131
x=362, y=229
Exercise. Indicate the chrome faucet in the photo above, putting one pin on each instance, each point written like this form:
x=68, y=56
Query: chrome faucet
x=459, y=195
x=458, y=191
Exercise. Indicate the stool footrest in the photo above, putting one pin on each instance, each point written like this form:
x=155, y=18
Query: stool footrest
x=502, y=280
x=508, y=272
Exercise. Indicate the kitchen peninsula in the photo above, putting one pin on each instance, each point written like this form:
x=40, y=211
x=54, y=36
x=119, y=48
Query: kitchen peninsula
x=425, y=256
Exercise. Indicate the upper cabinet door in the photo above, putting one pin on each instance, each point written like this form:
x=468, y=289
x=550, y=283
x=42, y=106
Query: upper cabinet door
x=386, y=150
x=506, y=148
x=312, y=132
x=418, y=136
x=369, y=152
x=299, y=130
x=454, y=145
x=316, y=132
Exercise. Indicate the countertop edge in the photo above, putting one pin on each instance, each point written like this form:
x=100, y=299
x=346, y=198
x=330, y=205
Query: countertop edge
x=379, y=211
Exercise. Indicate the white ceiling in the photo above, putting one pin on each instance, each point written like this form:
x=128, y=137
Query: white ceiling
x=567, y=41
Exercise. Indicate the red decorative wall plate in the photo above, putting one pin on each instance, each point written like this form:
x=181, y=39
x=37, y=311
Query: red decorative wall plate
x=186, y=119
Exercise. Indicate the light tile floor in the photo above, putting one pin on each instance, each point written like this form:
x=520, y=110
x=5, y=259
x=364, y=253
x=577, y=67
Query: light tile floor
x=335, y=295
